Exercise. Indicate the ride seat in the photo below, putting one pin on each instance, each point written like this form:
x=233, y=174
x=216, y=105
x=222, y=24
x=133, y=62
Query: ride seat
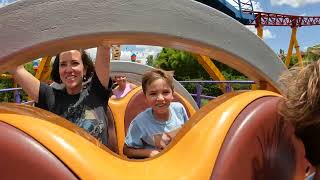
x=112, y=133
x=22, y=157
x=138, y=104
x=260, y=145
x=11, y=108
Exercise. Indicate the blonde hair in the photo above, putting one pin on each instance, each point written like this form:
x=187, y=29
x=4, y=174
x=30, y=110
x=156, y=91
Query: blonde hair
x=301, y=94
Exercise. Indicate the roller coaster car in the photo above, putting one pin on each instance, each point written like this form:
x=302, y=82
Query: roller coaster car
x=235, y=136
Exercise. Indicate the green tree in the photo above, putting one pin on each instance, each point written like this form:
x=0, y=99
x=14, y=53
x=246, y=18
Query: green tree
x=29, y=67
x=8, y=83
x=293, y=60
x=149, y=60
x=313, y=53
x=186, y=67
x=232, y=74
x=6, y=96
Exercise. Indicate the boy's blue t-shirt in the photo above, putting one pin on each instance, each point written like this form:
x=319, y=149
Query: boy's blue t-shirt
x=147, y=132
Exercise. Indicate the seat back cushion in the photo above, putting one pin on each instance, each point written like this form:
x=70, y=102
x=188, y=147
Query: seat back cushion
x=22, y=157
x=112, y=133
x=260, y=145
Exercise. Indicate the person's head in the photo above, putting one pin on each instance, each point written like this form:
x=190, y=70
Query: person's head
x=120, y=79
x=301, y=106
x=157, y=86
x=72, y=68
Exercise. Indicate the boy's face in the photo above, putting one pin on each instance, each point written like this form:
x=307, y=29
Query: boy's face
x=158, y=96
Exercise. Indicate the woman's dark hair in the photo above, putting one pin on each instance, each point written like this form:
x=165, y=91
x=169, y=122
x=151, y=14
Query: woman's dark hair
x=87, y=63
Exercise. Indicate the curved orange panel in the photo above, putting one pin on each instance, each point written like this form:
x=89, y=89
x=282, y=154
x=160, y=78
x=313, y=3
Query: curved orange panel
x=192, y=154
x=26, y=110
x=118, y=108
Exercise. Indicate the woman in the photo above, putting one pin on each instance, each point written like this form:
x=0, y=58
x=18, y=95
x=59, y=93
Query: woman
x=123, y=88
x=84, y=106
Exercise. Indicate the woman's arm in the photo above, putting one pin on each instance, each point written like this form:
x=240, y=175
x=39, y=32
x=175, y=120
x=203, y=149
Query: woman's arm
x=139, y=152
x=102, y=65
x=27, y=81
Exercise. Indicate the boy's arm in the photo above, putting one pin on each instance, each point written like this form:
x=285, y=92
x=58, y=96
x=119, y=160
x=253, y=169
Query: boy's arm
x=133, y=146
x=139, y=152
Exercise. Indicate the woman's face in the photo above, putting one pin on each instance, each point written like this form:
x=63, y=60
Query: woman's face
x=71, y=70
x=120, y=79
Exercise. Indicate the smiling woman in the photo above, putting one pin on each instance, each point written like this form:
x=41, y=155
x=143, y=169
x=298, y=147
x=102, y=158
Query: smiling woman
x=84, y=106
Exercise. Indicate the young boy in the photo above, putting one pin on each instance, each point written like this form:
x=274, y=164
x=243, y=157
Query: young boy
x=153, y=129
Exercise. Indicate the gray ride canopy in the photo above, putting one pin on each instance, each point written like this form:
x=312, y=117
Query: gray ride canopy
x=36, y=28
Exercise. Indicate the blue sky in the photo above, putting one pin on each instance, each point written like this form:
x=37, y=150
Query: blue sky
x=276, y=37
x=279, y=37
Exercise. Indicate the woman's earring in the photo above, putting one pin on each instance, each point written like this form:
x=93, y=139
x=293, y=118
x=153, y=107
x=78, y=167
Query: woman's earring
x=84, y=78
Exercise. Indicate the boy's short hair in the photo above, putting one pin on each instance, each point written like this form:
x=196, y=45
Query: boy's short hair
x=155, y=74
x=301, y=92
x=301, y=106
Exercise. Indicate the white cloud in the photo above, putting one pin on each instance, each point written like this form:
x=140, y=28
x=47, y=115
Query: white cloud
x=267, y=34
x=256, y=5
x=6, y=2
x=141, y=51
x=126, y=55
x=232, y=2
x=293, y=3
x=92, y=52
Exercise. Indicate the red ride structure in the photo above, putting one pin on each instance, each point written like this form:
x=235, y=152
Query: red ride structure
x=274, y=19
